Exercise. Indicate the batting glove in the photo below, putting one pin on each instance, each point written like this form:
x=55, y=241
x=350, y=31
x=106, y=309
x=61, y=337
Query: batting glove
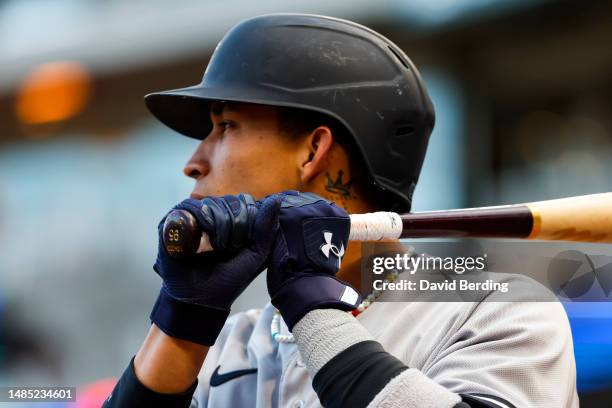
x=312, y=237
x=197, y=293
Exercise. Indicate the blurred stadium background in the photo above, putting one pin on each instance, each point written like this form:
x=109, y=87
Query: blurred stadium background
x=522, y=89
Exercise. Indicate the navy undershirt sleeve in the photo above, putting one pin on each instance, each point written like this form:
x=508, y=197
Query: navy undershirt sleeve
x=130, y=392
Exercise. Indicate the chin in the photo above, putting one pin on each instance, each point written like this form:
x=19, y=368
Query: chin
x=199, y=195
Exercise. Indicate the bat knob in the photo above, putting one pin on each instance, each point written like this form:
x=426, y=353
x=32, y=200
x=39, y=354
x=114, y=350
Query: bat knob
x=181, y=234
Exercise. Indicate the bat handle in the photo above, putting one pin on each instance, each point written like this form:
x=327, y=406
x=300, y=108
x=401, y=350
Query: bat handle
x=375, y=226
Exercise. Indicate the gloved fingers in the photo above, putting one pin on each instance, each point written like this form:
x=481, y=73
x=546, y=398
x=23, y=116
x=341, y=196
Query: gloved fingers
x=243, y=211
x=265, y=227
x=227, y=220
x=204, y=220
x=294, y=198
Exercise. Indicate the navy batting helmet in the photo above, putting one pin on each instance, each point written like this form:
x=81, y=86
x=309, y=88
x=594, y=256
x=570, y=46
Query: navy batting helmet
x=336, y=67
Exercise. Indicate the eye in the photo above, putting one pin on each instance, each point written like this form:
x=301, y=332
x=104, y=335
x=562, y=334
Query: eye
x=226, y=125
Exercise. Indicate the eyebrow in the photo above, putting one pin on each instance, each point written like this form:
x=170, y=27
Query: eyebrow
x=217, y=108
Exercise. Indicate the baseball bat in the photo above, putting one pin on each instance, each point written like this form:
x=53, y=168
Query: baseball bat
x=583, y=218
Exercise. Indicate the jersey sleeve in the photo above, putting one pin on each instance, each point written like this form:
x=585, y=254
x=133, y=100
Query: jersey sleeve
x=510, y=354
x=505, y=355
x=498, y=354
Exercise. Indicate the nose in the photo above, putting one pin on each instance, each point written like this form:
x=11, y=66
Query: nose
x=197, y=166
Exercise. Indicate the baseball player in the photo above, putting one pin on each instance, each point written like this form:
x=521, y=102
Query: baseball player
x=307, y=103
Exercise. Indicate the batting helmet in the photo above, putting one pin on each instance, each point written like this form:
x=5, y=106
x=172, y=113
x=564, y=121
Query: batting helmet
x=336, y=67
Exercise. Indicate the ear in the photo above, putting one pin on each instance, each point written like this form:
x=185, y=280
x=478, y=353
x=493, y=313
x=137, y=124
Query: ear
x=315, y=154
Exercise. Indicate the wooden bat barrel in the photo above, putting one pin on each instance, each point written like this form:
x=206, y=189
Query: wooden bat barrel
x=583, y=218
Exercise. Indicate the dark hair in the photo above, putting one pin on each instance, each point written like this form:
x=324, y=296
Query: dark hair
x=296, y=123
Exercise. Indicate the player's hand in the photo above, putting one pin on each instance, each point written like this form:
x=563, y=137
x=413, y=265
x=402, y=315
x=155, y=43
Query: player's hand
x=312, y=237
x=197, y=293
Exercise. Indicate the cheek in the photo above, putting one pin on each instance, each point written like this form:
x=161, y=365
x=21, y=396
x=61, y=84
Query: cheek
x=227, y=164
x=258, y=168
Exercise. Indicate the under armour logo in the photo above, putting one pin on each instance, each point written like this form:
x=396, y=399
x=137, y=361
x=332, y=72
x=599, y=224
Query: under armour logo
x=328, y=247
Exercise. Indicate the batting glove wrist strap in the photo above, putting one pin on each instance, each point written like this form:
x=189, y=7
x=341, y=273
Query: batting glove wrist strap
x=306, y=293
x=188, y=321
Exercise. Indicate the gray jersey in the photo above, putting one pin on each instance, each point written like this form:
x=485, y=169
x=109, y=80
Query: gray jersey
x=519, y=351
